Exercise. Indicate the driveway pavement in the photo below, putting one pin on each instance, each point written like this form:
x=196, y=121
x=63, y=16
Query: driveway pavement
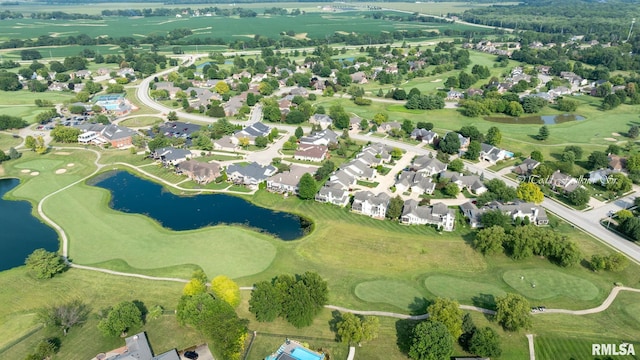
x=387, y=181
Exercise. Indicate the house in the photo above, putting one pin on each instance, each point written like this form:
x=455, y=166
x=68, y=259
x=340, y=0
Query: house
x=359, y=169
x=600, y=176
x=379, y=151
x=200, y=172
x=564, y=182
x=81, y=74
x=137, y=347
x=233, y=105
x=428, y=165
x=321, y=119
x=616, y=162
x=250, y=174
x=114, y=135
x=324, y=137
x=438, y=214
x=366, y=203
x=493, y=154
x=341, y=179
x=526, y=166
x=388, y=126
x=333, y=195
x=299, y=91
x=310, y=152
x=417, y=182
x=177, y=129
x=464, y=142
x=170, y=155
x=454, y=95
x=470, y=182
x=354, y=123
x=359, y=78
x=287, y=181
x=293, y=350
x=516, y=210
x=168, y=86
x=252, y=131
x=426, y=136
x=226, y=143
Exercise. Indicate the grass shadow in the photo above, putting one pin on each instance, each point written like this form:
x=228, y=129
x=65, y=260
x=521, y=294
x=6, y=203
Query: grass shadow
x=336, y=317
x=419, y=306
x=487, y=301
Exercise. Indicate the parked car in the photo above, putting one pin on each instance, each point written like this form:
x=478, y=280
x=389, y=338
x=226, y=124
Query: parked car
x=191, y=355
x=542, y=308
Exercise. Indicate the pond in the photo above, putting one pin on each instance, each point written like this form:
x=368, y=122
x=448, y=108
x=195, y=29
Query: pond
x=535, y=119
x=132, y=194
x=21, y=232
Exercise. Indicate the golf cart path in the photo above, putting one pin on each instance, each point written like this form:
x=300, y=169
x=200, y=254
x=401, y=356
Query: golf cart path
x=532, y=350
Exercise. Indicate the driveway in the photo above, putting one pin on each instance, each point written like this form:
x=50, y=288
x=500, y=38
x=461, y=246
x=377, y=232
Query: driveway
x=265, y=156
x=387, y=181
x=203, y=352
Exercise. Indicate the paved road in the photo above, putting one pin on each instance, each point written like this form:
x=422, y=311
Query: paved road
x=588, y=222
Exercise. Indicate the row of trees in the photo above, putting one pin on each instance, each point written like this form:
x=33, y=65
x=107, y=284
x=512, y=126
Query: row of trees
x=297, y=299
x=528, y=240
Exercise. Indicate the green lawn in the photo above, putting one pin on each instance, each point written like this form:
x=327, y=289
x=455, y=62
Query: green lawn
x=8, y=141
x=465, y=291
x=394, y=293
x=545, y=283
x=141, y=121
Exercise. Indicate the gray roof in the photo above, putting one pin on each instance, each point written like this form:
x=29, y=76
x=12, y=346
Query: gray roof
x=425, y=162
x=431, y=213
x=137, y=348
x=252, y=170
x=171, y=153
x=424, y=135
x=177, y=129
x=255, y=130
x=291, y=177
x=115, y=132
x=328, y=135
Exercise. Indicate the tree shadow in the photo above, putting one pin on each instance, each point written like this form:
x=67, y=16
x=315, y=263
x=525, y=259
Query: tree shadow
x=419, y=306
x=487, y=301
x=404, y=328
x=143, y=309
x=333, y=323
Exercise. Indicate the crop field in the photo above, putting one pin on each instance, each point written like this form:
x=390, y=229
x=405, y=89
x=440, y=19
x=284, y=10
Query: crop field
x=315, y=25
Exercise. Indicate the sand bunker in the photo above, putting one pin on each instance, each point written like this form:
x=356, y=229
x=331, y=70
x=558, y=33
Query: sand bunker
x=61, y=171
x=25, y=171
x=615, y=134
x=62, y=153
x=610, y=139
x=34, y=173
x=71, y=165
x=436, y=80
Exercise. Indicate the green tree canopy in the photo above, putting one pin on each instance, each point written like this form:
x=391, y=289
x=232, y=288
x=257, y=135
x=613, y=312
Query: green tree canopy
x=307, y=187
x=123, y=317
x=447, y=312
x=513, y=312
x=430, y=340
x=485, y=342
x=45, y=264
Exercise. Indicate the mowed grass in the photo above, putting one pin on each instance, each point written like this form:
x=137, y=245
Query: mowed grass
x=552, y=347
x=142, y=243
x=465, y=291
x=22, y=296
x=141, y=121
x=394, y=293
x=546, y=283
x=8, y=141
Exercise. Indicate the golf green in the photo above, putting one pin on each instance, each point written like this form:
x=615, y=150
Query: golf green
x=546, y=284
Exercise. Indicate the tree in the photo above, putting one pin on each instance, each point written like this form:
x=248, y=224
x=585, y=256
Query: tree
x=123, y=317
x=485, y=342
x=261, y=141
x=618, y=182
x=566, y=105
x=495, y=218
x=576, y=150
x=451, y=189
x=529, y=192
x=489, y=240
x=225, y=289
x=473, y=150
x=14, y=154
x=513, y=312
x=447, y=312
x=222, y=87
x=45, y=264
x=265, y=302
x=65, y=134
x=295, y=116
x=216, y=320
x=64, y=316
x=299, y=132
x=407, y=126
x=430, y=340
x=30, y=142
x=633, y=132
x=494, y=136
x=537, y=156
x=324, y=170
x=353, y=329
x=543, y=133
x=579, y=196
x=450, y=144
x=456, y=165
x=394, y=210
x=307, y=187
x=597, y=160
